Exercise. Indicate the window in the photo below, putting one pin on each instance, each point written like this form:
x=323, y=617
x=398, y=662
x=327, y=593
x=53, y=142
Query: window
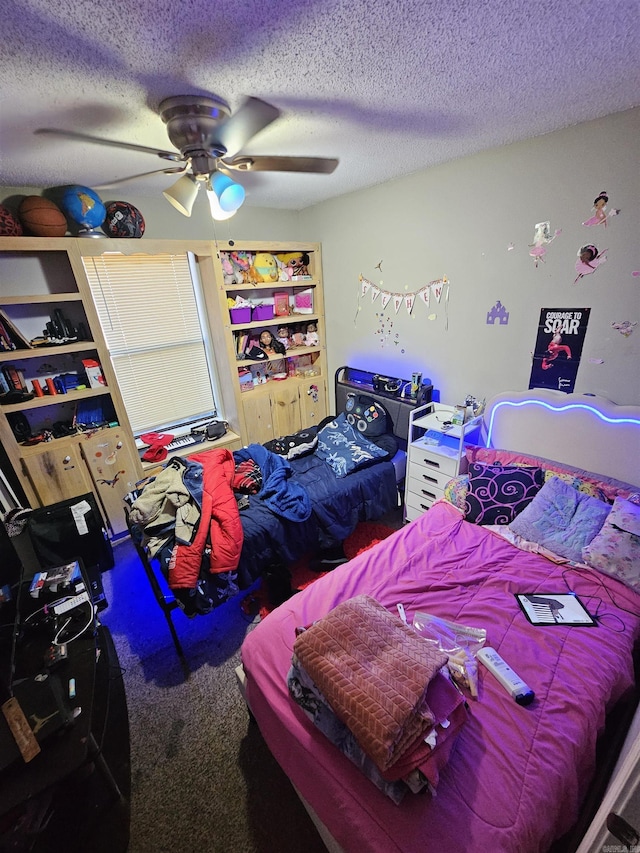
x=153, y=319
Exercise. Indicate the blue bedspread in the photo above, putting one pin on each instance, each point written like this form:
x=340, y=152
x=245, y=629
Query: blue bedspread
x=337, y=505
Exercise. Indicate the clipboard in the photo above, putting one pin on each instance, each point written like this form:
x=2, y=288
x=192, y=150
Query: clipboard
x=552, y=608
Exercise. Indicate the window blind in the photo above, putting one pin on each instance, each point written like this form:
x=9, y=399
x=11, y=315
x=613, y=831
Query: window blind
x=148, y=310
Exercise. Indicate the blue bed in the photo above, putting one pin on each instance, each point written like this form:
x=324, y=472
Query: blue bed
x=337, y=507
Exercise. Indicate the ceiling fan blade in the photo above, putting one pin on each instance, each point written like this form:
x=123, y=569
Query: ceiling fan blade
x=252, y=117
x=266, y=163
x=175, y=156
x=171, y=170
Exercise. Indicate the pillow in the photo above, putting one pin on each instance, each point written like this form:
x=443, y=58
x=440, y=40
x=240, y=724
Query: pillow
x=345, y=449
x=366, y=415
x=615, y=550
x=579, y=485
x=497, y=493
x=561, y=519
x=605, y=488
x=456, y=490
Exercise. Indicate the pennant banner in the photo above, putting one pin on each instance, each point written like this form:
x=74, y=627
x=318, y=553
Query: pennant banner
x=407, y=299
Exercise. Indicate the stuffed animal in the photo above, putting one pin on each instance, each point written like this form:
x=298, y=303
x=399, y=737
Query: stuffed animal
x=228, y=271
x=241, y=262
x=264, y=268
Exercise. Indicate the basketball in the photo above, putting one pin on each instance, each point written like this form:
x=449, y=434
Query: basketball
x=42, y=217
x=9, y=224
x=123, y=220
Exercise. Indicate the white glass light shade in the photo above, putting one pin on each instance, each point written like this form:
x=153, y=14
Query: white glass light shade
x=217, y=212
x=183, y=194
x=230, y=195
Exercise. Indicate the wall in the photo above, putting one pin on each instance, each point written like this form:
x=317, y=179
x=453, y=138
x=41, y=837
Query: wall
x=459, y=220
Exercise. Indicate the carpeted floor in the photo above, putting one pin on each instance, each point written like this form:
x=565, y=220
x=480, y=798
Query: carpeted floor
x=202, y=778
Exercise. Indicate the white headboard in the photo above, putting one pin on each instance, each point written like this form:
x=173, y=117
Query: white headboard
x=579, y=429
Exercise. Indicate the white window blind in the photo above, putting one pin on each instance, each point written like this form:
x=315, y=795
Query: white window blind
x=148, y=309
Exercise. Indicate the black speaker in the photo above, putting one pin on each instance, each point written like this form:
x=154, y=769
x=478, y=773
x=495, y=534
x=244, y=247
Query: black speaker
x=69, y=530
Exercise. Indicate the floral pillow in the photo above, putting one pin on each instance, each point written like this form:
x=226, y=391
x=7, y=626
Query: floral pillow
x=497, y=493
x=561, y=519
x=456, y=490
x=345, y=449
x=615, y=550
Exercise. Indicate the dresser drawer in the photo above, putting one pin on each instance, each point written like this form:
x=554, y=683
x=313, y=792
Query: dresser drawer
x=420, y=479
x=429, y=460
x=414, y=506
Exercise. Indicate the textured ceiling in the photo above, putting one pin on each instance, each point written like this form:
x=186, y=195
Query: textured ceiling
x=389, y=87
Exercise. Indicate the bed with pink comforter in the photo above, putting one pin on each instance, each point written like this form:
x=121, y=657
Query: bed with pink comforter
x=516, y=776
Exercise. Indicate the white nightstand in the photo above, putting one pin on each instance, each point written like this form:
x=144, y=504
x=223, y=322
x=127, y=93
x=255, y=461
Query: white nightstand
x=435, y=454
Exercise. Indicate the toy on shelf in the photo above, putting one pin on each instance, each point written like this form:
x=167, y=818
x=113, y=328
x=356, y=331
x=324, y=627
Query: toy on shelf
x=311, y=338
x=297, y=337
x=264, y=268
x=284, y=336
x=271, y=345
x=42, y=217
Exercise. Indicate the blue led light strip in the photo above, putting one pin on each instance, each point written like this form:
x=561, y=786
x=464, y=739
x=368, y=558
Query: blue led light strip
x=552, y=408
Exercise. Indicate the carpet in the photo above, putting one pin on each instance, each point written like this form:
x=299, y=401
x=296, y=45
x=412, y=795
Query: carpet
x=281, y=582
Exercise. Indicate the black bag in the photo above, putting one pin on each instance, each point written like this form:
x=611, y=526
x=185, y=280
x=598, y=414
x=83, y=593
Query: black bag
x=67, y=531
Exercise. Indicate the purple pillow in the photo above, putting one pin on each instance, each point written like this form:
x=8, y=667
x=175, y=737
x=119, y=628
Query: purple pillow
x=562, y=519
x=497, y=493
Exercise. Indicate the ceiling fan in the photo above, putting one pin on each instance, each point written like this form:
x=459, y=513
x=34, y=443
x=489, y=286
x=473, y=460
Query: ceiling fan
x=208, y=139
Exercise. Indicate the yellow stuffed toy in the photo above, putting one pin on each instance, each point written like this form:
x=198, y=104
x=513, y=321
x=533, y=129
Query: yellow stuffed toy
x=264, y=268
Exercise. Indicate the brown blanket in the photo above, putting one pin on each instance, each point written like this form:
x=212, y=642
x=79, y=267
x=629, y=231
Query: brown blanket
x=374, y=672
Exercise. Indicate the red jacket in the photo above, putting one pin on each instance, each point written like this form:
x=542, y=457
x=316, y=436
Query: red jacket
x=219, y=517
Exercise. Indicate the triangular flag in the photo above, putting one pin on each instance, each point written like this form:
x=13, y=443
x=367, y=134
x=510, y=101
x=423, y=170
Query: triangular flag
x=437, y=289
x=366, y=284
x=397, y=301
x=409, y=299
x=424, y=293
x=374, y=293
x=384, y=299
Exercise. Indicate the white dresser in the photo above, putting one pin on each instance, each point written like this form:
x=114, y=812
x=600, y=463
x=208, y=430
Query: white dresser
x=435, y=454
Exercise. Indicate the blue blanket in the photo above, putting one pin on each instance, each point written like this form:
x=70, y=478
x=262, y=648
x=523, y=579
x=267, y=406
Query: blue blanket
x=281, y=494
x=337, y=505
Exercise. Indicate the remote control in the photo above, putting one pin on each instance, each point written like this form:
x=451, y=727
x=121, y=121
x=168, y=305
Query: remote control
x=70, y=603
x=511, y=682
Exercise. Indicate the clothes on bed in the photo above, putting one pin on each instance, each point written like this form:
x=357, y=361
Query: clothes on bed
x=374, y=672
x=281, y=494
x=247, y=478
x=420, y=767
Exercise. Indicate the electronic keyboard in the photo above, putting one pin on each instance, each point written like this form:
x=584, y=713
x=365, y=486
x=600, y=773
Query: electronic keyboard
x=182, y=441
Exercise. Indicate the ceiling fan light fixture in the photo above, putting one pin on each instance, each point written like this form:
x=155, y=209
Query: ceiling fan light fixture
x=182, y=194
x=229, y=194
x=217, y=212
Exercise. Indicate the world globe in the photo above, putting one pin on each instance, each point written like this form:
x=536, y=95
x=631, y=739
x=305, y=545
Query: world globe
x=83, y=206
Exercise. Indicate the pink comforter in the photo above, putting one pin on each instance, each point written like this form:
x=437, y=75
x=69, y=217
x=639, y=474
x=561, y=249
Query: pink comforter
x=517, y=775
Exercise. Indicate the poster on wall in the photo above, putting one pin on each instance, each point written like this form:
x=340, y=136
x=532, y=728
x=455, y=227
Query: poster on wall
x=556, y=358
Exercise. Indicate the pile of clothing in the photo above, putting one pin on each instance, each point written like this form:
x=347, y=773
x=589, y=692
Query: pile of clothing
x=188, y=517
x=377, y=690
